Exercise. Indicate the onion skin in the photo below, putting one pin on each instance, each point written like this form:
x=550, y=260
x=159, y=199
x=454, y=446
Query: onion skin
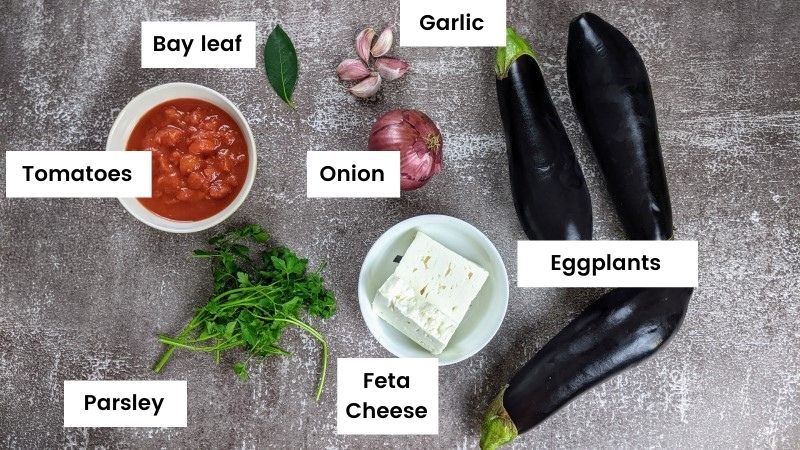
x=417, y=138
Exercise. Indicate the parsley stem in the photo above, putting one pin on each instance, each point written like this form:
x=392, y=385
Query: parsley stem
x=165, y=357
x=316, y=334
x=198, y=319
x=231, y=343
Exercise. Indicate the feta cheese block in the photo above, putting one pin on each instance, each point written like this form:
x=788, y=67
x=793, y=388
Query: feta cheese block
x=429, y=293
x=420, y=320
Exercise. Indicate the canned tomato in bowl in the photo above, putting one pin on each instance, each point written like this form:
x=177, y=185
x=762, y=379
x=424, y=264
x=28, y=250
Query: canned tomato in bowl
x=204, y=158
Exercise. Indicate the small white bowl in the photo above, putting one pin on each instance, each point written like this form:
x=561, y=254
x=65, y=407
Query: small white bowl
x=484, y=316
x=144, y=102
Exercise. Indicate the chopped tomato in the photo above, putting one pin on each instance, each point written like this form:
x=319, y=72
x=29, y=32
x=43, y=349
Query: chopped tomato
x=199, y=158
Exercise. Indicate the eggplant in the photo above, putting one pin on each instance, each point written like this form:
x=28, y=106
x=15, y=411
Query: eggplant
x=615, y=332
x=611, y=94
x=550, y=193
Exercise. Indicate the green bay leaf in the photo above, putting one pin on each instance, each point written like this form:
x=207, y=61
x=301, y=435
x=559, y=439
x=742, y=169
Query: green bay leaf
x=280, y=63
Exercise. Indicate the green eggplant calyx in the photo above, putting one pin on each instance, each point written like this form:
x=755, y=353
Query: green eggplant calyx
x=497, y=428
x=515, y=47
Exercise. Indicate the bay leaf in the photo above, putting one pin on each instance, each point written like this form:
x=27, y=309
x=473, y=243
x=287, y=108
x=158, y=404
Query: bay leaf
x=280, y=63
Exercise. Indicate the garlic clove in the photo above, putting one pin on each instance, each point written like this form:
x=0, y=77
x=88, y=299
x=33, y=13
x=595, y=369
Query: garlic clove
x=368, y=87
x=352, y=70
x=364, y=42
x=391, y=69
x=384, y=42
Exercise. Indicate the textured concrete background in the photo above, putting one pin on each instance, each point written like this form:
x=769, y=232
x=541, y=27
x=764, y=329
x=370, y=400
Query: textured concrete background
x=85, y=288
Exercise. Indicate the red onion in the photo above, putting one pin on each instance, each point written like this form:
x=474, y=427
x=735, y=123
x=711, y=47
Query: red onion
x=417, y=138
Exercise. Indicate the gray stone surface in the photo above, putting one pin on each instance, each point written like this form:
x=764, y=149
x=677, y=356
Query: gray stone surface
x=85, y=288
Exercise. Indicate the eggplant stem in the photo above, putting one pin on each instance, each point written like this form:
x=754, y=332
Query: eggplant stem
x=498, y=428
x=515, y=47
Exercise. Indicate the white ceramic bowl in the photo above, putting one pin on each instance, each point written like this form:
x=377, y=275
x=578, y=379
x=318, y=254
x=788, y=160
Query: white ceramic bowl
x=129, y=117
x=484, y=316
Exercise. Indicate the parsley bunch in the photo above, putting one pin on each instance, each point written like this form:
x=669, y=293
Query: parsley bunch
x=254, y=300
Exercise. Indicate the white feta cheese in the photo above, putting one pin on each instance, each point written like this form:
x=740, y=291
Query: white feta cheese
x=420, y=320
x=429, y=293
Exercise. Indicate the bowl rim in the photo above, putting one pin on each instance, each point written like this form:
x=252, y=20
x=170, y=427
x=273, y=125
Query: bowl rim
x=163, y=223
x=365, y=301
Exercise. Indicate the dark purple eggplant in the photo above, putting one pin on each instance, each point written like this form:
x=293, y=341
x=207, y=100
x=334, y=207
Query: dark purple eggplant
x=549, y=190
x=611, y=94
x=615, y=332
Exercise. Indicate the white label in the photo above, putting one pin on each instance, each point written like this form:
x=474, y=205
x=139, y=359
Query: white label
x=124, y=403
x=607, y=263
x=198, y=45
x=387, y=396
x=452, y=23
x=353, y=174
x=71, y=174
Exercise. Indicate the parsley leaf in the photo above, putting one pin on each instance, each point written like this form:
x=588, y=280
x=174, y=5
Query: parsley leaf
x=254, y=301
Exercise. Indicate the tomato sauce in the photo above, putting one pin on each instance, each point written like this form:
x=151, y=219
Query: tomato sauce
x=199, y=158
